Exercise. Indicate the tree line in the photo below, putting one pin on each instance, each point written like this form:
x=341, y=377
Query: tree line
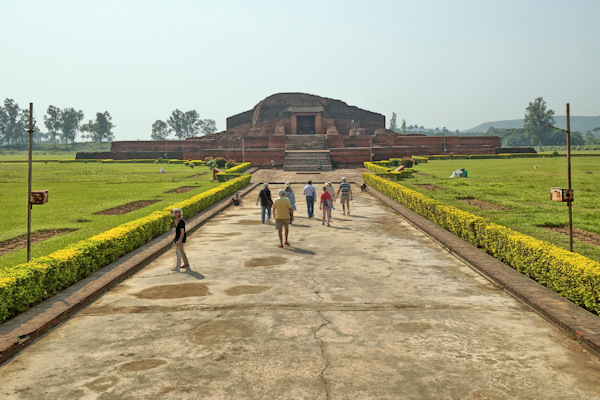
x=535, y=132
x=183, y=125
x=63, y=125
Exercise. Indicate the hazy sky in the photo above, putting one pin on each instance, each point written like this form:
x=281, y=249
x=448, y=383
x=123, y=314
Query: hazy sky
x=453, y=63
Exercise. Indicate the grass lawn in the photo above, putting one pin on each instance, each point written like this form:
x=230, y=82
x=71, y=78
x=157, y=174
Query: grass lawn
x=523, y=187
x=78, y=190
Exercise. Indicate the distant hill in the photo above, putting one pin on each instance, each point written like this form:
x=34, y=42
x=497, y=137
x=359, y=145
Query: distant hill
x=581, y=124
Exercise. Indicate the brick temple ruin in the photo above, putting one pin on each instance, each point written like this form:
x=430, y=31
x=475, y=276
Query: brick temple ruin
x=296, y=130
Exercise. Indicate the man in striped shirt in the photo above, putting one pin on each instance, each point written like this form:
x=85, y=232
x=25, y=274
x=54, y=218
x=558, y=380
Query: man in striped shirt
x=346, y=191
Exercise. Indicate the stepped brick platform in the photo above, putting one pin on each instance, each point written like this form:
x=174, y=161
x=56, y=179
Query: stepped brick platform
x=285, y=123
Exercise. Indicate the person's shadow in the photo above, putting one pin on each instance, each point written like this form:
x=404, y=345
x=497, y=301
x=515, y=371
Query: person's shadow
x=194, y=274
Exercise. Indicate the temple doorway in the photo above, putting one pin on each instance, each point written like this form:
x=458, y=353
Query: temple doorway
x=305, y=124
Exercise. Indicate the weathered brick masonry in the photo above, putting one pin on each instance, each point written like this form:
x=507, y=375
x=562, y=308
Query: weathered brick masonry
x=260, y=135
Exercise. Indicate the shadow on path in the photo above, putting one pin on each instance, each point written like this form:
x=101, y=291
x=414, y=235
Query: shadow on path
x=193, y=274
x=300, y=251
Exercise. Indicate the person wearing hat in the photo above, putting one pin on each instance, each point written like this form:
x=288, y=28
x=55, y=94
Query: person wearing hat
x=180, y=238
x=346, y=195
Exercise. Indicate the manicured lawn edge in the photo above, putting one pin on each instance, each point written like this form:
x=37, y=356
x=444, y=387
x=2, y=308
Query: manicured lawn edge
x=24, y=285
x=571, y=275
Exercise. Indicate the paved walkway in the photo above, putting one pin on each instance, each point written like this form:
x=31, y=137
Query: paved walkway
x=369, y=308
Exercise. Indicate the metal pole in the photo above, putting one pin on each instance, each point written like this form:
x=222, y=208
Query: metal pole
x=29, y=181
x=166, y=151
x=569, y=203
x=243, y=157
x=370, y=145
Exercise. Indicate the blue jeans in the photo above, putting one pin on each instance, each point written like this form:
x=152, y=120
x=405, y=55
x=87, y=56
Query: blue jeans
x=310, y=205
x=262, y=212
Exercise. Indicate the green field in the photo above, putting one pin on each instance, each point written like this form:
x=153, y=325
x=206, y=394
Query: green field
x=523, y=187
x=78, y=190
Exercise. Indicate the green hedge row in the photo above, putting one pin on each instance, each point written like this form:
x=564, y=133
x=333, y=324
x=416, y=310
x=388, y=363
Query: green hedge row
x=502, y=156
x=24, y=285
x=571, y=275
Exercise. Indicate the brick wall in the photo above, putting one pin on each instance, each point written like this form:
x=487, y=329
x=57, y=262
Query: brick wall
x=258, y=157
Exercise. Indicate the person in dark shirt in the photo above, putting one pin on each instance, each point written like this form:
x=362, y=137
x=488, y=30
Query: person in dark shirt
x=264, y=196
x=180, y=238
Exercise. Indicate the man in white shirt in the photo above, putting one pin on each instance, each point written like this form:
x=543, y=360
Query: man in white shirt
x=310, y=192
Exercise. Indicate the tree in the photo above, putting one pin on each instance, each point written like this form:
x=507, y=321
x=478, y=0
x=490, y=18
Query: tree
x=14, y=123
x=71, y=120
x=208, y=126
x=53, y=121
x=393, y=126
x=403, y=126
x=100, y=129
x=184, y=125
x=160, y=130
x=536, y=120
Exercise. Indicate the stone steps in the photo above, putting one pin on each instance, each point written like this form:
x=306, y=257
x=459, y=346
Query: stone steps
x=306, y=142
x=303, y=153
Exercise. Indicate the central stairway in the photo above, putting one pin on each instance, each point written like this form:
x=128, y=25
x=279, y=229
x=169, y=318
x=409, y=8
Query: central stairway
x=303, y=152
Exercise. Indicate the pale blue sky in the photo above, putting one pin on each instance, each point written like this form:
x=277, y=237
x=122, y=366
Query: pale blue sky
x=433, y=62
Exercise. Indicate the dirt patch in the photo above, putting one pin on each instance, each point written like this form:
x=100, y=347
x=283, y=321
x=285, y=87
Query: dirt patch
x=21, y=242
x=431, y=187
x=183, y=189
x=246, y=289
x=578, y=234
x=412, y=327
x=484, y=205
x=249, y=222
x=265, y=262
x=127, y=208
x=223, y=331
x=174, y=291
x=195, y=176
x=421, y=174
x=341, y=298
x=102, y=384
x=142, y=365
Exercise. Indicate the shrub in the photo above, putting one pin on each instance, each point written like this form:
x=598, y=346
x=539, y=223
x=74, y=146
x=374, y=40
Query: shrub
x=375, y=167
x=239, y=168
x=230, y=164
x=220, y=162
x=571, y=275
x=407, y=162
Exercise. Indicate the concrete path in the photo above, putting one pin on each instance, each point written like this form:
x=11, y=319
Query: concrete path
x=369, y=308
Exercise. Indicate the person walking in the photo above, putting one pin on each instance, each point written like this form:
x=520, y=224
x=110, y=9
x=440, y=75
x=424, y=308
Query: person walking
x=179, y=241
x=331, y=191
x=346, y=196
x=284, y=215
x=289, y=193
x=325, y=205
x=264, y=196
x=311, y=193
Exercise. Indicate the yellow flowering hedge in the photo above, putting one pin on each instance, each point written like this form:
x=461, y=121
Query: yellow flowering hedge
x=238, y=168
x=571, y=275
x=375, y=168
x=24, y=285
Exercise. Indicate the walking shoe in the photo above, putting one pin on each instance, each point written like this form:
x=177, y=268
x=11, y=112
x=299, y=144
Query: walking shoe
x=280, y=245
x=287, y=243
x=323, y=223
